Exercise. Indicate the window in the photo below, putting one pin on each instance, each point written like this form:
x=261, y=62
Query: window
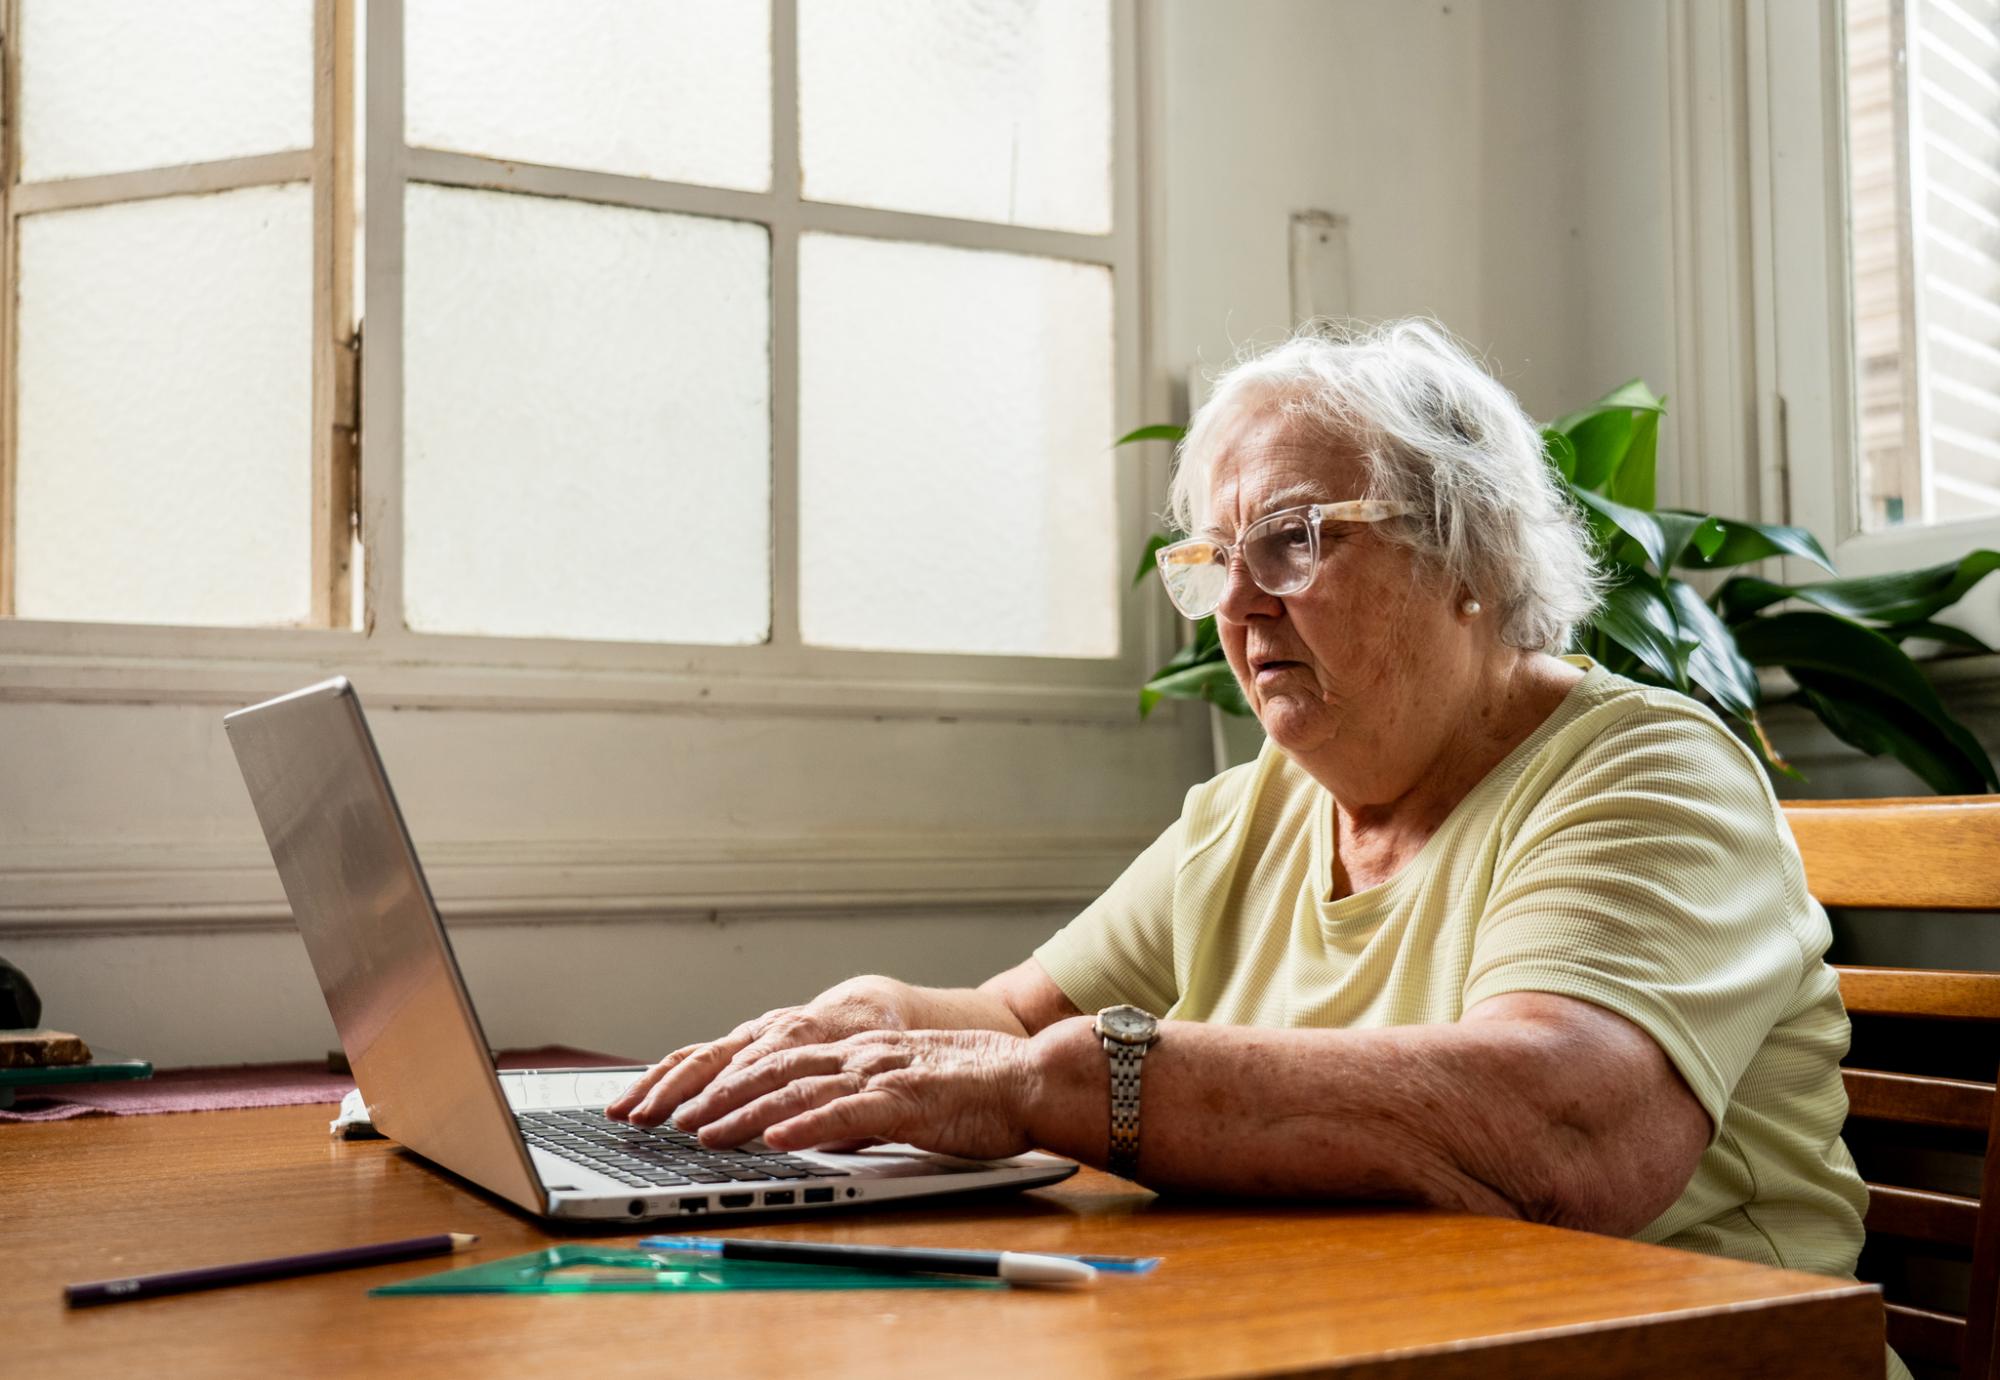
x=173, y=317
x=698, y=339
x=1871, y=208
x=1923, y=124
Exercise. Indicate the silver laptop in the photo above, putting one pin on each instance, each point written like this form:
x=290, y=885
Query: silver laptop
x=538, y=1138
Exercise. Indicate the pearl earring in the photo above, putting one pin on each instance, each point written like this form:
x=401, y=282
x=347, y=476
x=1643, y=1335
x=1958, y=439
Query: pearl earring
x=1470, y=608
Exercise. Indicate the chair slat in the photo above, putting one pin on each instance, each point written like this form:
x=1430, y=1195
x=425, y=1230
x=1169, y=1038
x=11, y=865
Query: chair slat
x=1955, y=1103
x=1932, y=853
x=1916, y=1214
x=1918, y=1334
x=1910, y=992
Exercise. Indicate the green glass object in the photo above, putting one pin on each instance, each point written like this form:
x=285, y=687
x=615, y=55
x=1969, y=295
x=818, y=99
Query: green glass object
x=104, y=1066
x=585, y=1269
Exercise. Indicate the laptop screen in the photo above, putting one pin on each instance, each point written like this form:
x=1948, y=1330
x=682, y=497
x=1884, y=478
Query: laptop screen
x=373, y=933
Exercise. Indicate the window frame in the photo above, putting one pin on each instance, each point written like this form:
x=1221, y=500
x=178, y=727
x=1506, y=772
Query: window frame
x=46, y=659
x=1800, y=149
x=322, y=166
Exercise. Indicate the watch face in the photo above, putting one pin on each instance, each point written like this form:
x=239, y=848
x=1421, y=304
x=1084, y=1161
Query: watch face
x=1127, y=1024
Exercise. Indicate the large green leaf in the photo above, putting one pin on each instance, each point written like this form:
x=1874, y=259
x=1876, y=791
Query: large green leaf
x=1211, y=680
x=1190, y=655
x=1152, y=433
x=1708, y=536
x=1935, y=632
x=1742, y=596
x=1204, y=646
x=1601, y=440
x=1904, y=597
x=1632, y=395
x=1632, y=483
x=1611, y=654
x=1880, y=725
x=1560, y=451
x=1682, y=531
x=1208, y=636
x=1833, y=649
x=1715, y=664
x=1146, y=563
x=1744, y=542
x=1227, y=695
x=1642, y=527
x=1639, y=617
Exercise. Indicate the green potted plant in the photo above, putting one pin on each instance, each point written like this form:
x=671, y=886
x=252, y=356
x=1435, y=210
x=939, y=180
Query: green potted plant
x=1839, y=641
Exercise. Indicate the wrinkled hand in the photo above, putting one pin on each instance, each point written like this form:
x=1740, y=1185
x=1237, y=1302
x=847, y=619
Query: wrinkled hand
x=958, y=1092
x=684, y=1073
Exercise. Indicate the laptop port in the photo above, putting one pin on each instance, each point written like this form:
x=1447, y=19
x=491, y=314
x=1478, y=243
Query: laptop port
x=819, y=1195
x=637, y=1207
x=736, y=1200
x=694, y=1205
x=782, y=1198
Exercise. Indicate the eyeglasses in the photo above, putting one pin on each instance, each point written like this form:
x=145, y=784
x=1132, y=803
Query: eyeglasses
x=1280, y=550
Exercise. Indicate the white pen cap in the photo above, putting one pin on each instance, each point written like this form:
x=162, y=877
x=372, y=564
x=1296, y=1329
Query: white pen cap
x=1044, y=1269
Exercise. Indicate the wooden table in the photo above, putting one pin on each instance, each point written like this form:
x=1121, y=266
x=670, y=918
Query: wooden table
x=1245, y=1289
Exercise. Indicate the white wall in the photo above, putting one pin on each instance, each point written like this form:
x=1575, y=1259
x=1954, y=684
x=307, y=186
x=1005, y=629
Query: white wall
x=613, y=879
x=1277, y=106
x=634, y=987
x=1502, y=164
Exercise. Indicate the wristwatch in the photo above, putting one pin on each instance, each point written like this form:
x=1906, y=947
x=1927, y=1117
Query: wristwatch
x=1127, y=1033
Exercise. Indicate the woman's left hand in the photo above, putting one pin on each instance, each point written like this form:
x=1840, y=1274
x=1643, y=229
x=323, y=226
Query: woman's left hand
x=957, y=1092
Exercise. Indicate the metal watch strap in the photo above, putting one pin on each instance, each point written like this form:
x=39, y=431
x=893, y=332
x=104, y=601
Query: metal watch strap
x=1127, y=1063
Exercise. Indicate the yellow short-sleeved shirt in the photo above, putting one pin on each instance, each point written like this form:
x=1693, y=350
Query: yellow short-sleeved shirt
x=1629, y=853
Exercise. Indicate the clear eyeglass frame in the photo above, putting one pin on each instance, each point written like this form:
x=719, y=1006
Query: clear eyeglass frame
x=1196, y=571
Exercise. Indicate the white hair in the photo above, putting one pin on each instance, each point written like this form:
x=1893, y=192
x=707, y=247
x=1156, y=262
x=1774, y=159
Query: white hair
x=1438, y=433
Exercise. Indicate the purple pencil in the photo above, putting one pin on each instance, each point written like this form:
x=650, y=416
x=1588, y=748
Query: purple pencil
x=249, y=1271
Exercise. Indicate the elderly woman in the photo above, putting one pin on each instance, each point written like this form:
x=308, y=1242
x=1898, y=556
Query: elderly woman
x=1482, y=927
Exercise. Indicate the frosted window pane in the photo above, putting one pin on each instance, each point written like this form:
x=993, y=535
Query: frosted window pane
x=672, y=89
x=110, y=85
x=956, y=483
x=587, y=436
x=165, y=462
x=995, y=110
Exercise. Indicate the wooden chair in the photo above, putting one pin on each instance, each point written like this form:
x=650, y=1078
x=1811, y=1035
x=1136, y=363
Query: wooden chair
x=1938, y=853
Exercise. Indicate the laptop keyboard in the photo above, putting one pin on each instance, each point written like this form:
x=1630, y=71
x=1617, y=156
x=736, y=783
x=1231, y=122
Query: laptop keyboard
x=662, y=1157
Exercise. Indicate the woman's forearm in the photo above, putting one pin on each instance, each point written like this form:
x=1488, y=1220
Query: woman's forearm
x=1283, y=1113
x=1468, y=1116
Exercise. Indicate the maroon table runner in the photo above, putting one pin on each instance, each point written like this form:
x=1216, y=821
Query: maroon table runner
x=245, y=1085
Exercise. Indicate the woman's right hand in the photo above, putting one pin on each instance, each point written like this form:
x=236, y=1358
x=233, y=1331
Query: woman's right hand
x=853, y=1008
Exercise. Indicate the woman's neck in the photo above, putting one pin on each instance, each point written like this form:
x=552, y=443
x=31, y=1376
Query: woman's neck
x=1375, y=839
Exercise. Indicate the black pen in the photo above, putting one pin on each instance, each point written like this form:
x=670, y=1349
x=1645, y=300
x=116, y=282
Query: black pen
x=249, y=1271
x=1014, y=1266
